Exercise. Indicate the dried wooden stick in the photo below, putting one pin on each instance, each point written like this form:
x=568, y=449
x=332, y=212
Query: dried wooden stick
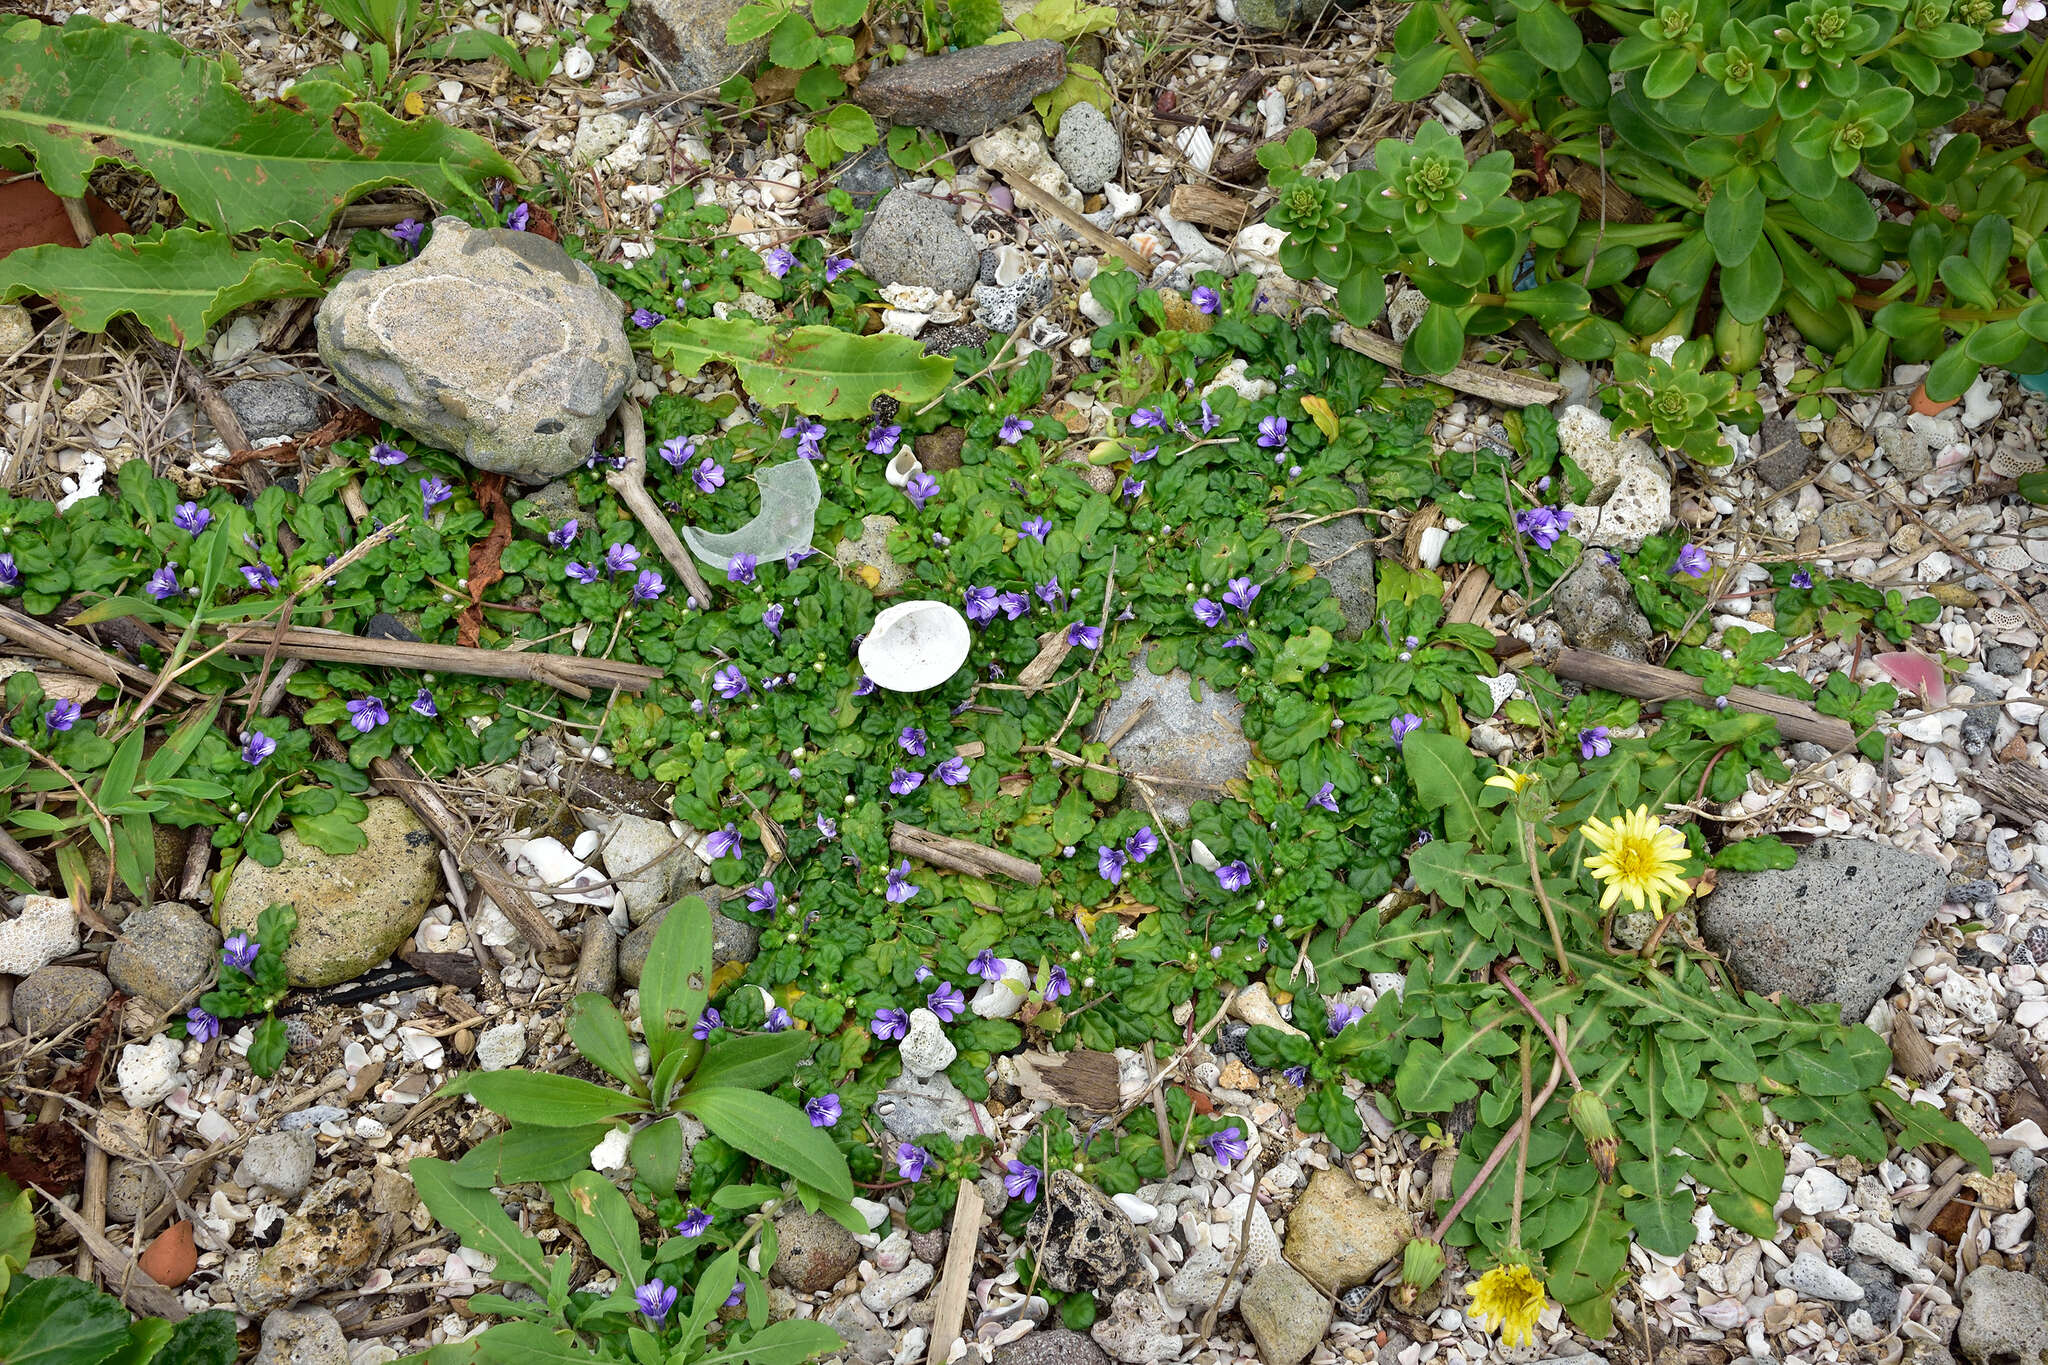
x=949, y=1308
x=1499, y=386
x=630, y=483
x=23, y=862
x=399, y=777
x=961, y=855
x=1021, y=186
x=1647, y=682
x=53, y=642
x=2014, y=792
x=571, y=673
x=92, y=1200
x=1351, y=96
x=124, y=1278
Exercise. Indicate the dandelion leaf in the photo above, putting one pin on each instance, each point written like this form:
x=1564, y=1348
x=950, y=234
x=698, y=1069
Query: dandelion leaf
x=177, y=283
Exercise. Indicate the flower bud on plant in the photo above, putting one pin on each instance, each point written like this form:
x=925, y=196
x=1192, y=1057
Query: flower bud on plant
x=1421, y=1266
x=1589, y=1116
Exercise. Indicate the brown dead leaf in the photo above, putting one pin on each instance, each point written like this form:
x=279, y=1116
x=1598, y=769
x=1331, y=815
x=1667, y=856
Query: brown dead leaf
x=483, y=557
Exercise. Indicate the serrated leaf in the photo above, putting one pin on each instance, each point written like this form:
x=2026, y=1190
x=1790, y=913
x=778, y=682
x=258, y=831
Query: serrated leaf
x=177, y=283
x=1922, y=1124
x=1446, y=778
x=1586, y=1264
x=1433, y=1078
x=820, y=371
x=90, y=93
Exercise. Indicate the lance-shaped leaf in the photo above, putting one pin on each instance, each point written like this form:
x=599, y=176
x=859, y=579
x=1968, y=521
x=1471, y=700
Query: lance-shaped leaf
x=821, y=371
x=177, y=284
x=89, y=93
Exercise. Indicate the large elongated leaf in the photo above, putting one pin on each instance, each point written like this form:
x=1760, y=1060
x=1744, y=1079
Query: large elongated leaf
x=1446, y=778
x=773, y=1131
x=676, y=979
x=91, y=93
x=527, y=1151
x=475, y=1217
x=541, y=1098
x=606, y=1221
x=821, y=371
x=789, y=1342
x=177, y=283
x=61, y=1321
x=755, y=1063
x=1586, y=1264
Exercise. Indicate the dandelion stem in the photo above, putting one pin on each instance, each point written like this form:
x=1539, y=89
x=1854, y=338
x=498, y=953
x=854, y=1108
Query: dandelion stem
x=1542, y=1023
x=1500, y=1150
x=1522, y=1150
x=1543, y=899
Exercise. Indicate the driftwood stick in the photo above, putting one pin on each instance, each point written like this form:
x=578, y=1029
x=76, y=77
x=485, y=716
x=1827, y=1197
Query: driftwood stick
x=1499, y=386
x=2014, y=792
x=1021, y=186
x=630, y=483
x=52, y=642
x=961, y=855
x=398, y=776
x=1350, y=97
x=124, y=1278
x=949, y=1309
x=571, y=673
x=1647, y=682
x=23, y=862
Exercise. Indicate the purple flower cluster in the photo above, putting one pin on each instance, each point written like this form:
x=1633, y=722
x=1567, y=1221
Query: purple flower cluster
x=1543, y=525
x=810, y=438
x=1239, y=593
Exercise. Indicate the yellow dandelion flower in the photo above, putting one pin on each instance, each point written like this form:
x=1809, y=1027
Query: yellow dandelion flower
x=1508, y=1299
x=1511, y=780
x=1639, y=859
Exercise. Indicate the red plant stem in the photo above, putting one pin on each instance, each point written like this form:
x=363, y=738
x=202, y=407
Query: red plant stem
x=1542, y=1023
x=1508, y=1140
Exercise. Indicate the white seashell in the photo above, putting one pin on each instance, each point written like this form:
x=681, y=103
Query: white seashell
x=1204, y=859
x=902, y=467
x=913, y=646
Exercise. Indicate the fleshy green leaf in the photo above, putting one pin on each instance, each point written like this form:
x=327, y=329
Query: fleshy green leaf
x=539, y=1097
x=476, y=1217
x=773, y=1131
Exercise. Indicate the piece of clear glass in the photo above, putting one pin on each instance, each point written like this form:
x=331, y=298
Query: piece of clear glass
x=789, y=513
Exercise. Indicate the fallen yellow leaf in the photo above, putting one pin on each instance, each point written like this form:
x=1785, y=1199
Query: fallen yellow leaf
x=1319, y=410
x=871, y=576
x=415, y=107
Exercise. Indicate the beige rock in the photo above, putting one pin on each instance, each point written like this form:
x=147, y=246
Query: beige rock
x=1339, y=1236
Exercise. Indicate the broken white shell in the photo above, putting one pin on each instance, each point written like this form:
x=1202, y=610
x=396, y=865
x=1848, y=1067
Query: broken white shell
x=902, y=468
x=914, y=646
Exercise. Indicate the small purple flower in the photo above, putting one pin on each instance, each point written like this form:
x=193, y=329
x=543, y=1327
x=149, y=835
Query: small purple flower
x=163, y=584
x=902, y=781
x=518, y=218
x=582, y=573
x=645, y=317
x=912, y=740
x=1802, y=579
x=1341, y=1017
x=921, y=489
x=708, y=1023
x=367, y=713
x=240, y=952
x=1210, y=421
x=1227, y=1146
x=739, y=1291
x=1133, y=488
x=257, y=746
x=1234, y=875
x=722, y=843
x=823, y=1111
x=1014, y=604
x=863, y=685
x=911, y=1160
x=1297, y=1076
x=62, y=715
x=1020, y=1181
x=778, y=1021
x=259, y=576
x=709, y=476
x=778, y=262
x=1038, y=528
x=890, y=1024
x=1142, y=845
x=1241, y=593
x=901, y=888
x=882, y=440
x=952, y=772
x=406, y=232
x=563, y=536
x=1150, y=452
x=1326, y=798
x=762, y=899
x=1692, y=562
x=1543, y=525
x=1206, y=299
x=740, y=569
x=201, y=1026
x=980, y=604
x=835, y=266
x=648, y=586
x=191, y=518
x=1148, y=417
x=695, y=1223
x=621, y=558
x=1273, y=432
x=1013, y=430
x=1595, y=743
x=946, y=1001
x=1086, y=636
x=1404, y=725
x=986, y=966
x=1241, y=640
x=1109, y=863
x=1208, y=613
x=388, y=455
x=1049, y=591
x=423, y=704
x=1057, y=985
x=729, y=682
x=655, y=1298
x=810, y=437
x=828, y=828
x=10, y=575
x=434, y=491
x=676, y=451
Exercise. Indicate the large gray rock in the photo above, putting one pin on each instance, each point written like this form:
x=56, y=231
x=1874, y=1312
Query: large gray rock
x=355, y=910
x=1287, y=1314
x=1088, y=148
x=2005, y=1318
x=52, y=999
x=1050, y=1346
x=1191, y=748
x=1340, y=1235
x=309, y=1336
x=966, y=92
x=164, y=955
x=1341, y=552
x=688, y=38
x=133, y=1189
x=914, y=239
x=650, y=865
x=1087, y=1241
x=272, y=407
x=1837, y=925
x=815, y=1252
x=491, y=343
x=1596, y=609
